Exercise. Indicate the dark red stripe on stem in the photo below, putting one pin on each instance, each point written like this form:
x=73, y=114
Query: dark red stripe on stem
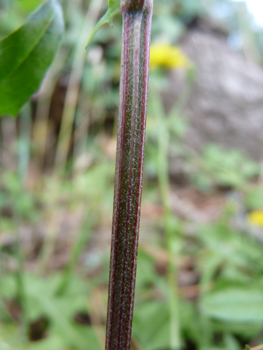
x=137, y=16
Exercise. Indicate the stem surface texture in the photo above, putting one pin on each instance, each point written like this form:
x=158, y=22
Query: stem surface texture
x=137, y=16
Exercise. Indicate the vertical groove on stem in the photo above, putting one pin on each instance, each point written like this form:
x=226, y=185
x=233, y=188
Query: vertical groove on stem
x=137, y=16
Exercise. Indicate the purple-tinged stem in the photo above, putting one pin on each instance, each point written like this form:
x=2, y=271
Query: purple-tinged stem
x=137, y=17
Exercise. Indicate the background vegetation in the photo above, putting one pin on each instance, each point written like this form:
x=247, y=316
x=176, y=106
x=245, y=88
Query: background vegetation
x=200, y=267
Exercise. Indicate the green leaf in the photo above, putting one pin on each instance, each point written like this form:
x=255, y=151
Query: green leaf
x=28, y=5
x=52, y=342
x=114, y=8
x=254, y=198
x=26, y=54
x=154, y=314
x=233, y=304
x=58, y=310
x=10, y=337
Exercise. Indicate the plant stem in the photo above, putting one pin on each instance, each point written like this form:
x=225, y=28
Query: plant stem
x=40, y=132
x=137, y=16
x=81, y=240
x=24, y=141
x=170, y=234
x=72, y=95
x=20, y=283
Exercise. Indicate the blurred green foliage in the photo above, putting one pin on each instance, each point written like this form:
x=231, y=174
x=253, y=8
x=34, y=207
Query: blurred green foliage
x=15, y=202
x=230, y=168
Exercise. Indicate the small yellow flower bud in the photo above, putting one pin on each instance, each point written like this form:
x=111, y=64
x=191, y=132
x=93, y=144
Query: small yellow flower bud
x=256, y=217
x=167, y=56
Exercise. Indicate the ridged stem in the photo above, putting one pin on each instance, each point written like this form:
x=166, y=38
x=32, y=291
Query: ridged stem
x=137, y=15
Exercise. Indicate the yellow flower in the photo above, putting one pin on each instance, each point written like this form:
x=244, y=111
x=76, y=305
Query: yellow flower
x=167, y=56
x=256, y=217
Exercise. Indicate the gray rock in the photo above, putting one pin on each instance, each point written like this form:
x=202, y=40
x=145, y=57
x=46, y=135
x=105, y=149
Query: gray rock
x=226, y=101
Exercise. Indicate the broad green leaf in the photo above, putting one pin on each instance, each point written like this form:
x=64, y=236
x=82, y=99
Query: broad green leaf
x=52, y=342
x=151, y=325
x=27, y=5
x=10, y=337
x=26, y=54
x=58, y=310
x=114, y=7
x=61, y=325
x=233, y=304
x=230, y=342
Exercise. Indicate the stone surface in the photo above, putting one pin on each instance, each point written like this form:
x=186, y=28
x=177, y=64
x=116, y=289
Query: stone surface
x=226, y=100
